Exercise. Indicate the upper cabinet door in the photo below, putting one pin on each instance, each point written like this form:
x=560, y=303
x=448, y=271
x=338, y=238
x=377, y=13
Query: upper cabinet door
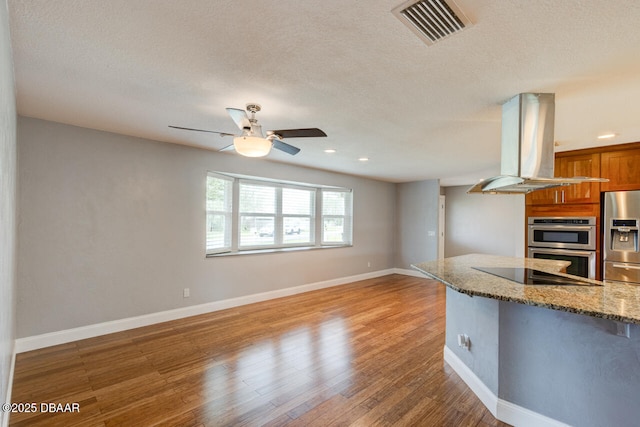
x=569, y=166
x=544, y=197
x=580, y=165
x=622, y=168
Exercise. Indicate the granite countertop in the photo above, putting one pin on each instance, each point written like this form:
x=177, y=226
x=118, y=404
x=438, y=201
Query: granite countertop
x=612, y=300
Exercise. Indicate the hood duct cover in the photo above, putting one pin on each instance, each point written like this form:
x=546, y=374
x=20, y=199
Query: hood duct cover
x=527, y=148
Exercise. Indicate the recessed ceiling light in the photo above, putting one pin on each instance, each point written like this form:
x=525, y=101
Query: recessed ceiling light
x=607, y=135
x=364, y=159
x=330, y=150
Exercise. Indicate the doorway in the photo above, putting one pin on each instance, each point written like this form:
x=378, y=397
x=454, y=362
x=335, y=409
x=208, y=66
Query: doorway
x=441, y=211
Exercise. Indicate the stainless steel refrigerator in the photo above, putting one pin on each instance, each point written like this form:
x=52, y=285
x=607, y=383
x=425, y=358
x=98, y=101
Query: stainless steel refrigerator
x=621, y=221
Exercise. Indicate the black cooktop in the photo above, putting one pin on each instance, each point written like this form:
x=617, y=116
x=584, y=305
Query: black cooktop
x=529, y=276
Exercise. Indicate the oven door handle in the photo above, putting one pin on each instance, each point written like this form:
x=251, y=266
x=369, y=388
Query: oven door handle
x=562, y=251
x=562, y=227
x=626, y=266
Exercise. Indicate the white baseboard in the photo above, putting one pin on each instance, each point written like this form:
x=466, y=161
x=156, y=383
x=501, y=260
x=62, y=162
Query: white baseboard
x=504, y=411
x=409, y=272
x=476, y=385
x=90, y=331
x=523, y=417
x=4, y=415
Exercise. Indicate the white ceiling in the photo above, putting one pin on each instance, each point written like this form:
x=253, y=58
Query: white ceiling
x=350, y=68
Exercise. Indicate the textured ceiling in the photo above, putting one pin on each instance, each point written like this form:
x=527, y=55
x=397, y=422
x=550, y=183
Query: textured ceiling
x=350, y=68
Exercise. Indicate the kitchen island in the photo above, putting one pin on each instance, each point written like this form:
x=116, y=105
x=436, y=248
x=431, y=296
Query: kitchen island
x=542, y=354
x=614, y=301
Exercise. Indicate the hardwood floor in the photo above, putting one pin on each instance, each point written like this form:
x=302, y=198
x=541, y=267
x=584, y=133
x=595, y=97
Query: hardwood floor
x=362, y=354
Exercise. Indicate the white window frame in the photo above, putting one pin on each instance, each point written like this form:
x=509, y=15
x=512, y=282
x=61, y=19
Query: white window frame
x=346, y=216
x=311, y=216
x=316, y=217
x=238, y=246
x=226, y=214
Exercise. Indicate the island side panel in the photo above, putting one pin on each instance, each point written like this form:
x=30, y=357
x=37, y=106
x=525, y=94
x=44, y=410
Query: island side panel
x=477, y=318
x=569, y=367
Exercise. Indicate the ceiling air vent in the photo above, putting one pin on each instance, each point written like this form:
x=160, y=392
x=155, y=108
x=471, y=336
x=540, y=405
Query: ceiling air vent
x=432, y=20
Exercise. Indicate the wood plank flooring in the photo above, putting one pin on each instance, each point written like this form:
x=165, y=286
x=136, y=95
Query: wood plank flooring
x=362, y=354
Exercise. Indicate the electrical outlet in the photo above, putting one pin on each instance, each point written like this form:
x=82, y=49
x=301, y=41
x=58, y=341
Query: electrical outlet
x=186, y=293
x=464, y=341
x=369, y=264
x=622, y=329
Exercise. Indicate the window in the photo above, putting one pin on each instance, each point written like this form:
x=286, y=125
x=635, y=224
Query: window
x=298, y=215
x=257, y=215
x=219, y=201
x=252, y=214
x=336, y=216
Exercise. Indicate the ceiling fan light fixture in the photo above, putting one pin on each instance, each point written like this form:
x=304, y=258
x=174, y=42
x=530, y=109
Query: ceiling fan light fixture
x=251, y=142
x=252, y=146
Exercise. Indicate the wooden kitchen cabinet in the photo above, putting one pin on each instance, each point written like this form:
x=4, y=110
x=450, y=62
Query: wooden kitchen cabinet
x=568, y=166
x=572, y=210
x=580, y=165
x=542, y=197
x=622, y=168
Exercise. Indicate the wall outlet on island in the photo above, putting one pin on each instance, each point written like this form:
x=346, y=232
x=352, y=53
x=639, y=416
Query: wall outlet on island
x=464, y=341
x=622, y=329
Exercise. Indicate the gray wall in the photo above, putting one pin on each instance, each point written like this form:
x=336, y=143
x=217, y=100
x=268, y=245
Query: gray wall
x=489, y=224
x=569, y=367
x=417, y=216
x=477, y=318
x=7, y=207
x=113, y=227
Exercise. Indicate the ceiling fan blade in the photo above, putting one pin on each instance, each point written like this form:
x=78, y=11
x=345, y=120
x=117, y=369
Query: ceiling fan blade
x=227, y=148
x=239, y=117
x=283, y=146
x=202, y=130
x=299, y=133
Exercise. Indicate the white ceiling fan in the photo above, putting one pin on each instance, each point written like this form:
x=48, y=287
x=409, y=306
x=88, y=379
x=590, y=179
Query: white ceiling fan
x=252, y=142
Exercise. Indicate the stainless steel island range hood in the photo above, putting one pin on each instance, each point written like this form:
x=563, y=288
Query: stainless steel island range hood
x=527, y=148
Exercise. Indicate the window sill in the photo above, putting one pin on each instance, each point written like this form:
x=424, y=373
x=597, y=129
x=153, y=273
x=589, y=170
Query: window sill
x=277, y=250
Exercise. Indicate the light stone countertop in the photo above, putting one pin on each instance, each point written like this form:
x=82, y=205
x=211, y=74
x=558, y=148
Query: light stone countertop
x=614, y=301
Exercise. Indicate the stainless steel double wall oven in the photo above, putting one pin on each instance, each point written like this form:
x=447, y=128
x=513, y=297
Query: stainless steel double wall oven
x=568, y=239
